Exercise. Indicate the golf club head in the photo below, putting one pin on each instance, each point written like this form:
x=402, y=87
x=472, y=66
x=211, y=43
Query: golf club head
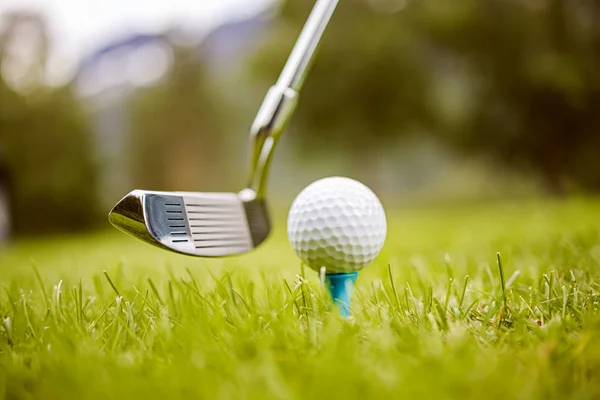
x=196, y=224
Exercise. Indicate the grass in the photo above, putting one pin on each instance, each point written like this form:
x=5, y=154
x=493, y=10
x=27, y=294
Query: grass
x=497, y=301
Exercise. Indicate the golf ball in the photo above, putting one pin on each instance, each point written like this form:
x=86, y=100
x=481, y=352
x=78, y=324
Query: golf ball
x=337, y=223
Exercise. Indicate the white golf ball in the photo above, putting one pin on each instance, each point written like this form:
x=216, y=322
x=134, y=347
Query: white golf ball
x=337, y=223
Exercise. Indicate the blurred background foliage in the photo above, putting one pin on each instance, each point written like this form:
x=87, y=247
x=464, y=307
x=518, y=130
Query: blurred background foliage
x=419, y=99
x=179, y=119
x=44, y=135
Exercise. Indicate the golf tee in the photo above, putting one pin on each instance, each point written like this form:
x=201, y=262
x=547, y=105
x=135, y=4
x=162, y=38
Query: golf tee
x=340, y=287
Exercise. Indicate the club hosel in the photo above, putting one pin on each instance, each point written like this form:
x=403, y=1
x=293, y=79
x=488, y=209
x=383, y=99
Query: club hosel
x=274, y=112
x=271, y=120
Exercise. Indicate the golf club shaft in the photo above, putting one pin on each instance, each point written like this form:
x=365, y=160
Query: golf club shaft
x=295, y=70
x=281, y=99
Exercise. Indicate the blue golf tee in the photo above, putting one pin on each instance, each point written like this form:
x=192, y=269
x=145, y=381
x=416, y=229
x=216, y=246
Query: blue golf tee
x=340, y=288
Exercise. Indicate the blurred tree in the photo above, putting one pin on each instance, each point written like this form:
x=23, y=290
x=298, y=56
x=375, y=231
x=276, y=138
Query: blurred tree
x=177, y=129
x=534, y=69
x=514, y=80
x=45, y=136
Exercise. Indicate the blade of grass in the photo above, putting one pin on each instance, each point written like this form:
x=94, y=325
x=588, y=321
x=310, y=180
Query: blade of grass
x=448, y=292
x=41, y=283
x=501, y=269
x=155, y=291
x=110, y=282
x=464, y=291
x=391, y=277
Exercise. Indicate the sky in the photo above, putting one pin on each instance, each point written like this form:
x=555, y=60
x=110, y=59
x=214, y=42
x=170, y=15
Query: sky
x=78, y=27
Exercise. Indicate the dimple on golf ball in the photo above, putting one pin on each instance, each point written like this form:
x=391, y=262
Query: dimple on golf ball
x=337, y=223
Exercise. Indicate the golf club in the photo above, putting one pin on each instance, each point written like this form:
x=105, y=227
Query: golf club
x=224, y=224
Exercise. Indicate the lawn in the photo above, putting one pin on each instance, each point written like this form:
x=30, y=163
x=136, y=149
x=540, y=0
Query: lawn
x=103, y=316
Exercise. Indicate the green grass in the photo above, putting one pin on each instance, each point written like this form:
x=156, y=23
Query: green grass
x=106, y=317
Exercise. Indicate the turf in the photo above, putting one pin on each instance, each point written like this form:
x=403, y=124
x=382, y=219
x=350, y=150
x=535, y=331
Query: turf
x=436, y=316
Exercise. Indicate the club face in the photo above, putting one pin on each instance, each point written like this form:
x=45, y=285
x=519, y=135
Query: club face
x=196, y=224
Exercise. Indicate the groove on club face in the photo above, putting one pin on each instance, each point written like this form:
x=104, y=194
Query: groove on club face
x=198, y=224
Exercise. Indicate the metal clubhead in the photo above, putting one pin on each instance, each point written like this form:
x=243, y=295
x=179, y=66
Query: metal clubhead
x=197, y=224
